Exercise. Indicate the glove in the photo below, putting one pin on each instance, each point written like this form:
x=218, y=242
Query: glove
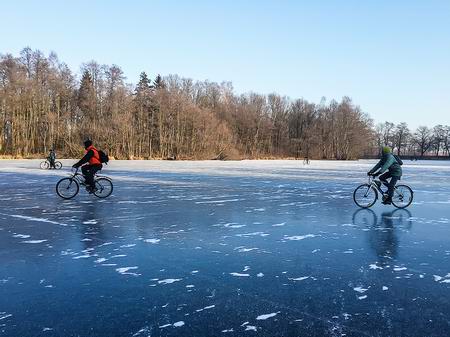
x=75, y=166
x=369, y=174
x=376, y=174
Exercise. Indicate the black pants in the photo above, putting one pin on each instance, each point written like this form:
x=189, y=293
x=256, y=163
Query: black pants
x=89, y=172
x=52, y=162
x=390, y=184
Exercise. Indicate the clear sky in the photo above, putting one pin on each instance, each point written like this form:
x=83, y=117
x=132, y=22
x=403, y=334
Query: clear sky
x=391, y=57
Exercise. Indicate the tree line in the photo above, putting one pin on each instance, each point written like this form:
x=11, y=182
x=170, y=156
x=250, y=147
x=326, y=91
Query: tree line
x=43, y=105
x=418, y=143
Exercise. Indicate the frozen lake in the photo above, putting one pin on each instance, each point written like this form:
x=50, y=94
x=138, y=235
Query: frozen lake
x=272, y=248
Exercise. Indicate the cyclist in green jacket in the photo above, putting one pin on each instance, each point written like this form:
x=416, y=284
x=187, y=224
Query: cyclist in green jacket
x=394, y=172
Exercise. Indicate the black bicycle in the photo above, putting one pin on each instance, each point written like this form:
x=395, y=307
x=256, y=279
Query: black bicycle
x=68, y=187
x=45, y=165
x=366, y=195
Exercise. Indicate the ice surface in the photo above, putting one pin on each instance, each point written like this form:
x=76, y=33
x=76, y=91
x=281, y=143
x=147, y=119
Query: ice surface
x=198, y=248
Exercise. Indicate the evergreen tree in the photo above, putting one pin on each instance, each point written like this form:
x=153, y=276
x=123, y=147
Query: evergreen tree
x=144, y=86
x=86, y=99
x=158, y=83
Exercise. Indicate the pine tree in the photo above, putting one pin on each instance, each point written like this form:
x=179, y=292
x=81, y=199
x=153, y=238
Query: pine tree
x=144, y=86
x=86, y=96
x=158, y=83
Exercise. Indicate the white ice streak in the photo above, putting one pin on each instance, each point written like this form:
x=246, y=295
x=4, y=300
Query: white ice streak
x=243, y=249
x=299, y=278
x=4, y=315
x=239, y=274
x=169, y=280
x=21, y=236
x=217, y=201
x=233, y=225
x=206, y=308
x=81, y=257
x=252, y=234
x=442, y=279
x=374, y=266
x=154, y=241
x=267, y=316
x=124, y=271
x=360, y=290
x=34, y=241
x=300, y=237
x=30, y=218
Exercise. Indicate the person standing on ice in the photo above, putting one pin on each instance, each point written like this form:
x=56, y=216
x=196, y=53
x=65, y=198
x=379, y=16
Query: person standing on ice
x=392, y=164
x=52, y=158
x=93, y=164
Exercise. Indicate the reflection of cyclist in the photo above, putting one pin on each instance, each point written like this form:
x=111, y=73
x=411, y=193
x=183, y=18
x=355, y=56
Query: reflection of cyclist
x=390, y=163
x=51, y=158
x=94, y=165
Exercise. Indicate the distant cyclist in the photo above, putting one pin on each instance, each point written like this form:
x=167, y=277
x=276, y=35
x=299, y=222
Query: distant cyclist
x=52, y=158
x=93, y=164
x=392, y=164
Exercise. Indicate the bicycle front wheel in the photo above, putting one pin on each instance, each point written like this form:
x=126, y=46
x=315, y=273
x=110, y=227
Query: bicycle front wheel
x=67, y=188
x=44, y=165
x=403, y=196
x=103, y=187
x=58, y=165
x=365, y=196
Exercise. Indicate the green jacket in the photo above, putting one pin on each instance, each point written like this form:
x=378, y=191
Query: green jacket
x=388, y=162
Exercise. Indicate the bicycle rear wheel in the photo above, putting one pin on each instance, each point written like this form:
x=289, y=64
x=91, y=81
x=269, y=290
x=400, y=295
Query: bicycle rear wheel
x=403, y=196
x=58, y=165
x=44, y=165
x=365, y=196
x=67, y=188
x=103, y=187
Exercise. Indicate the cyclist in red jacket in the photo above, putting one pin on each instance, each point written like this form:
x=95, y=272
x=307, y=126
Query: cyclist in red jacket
x=90, y=164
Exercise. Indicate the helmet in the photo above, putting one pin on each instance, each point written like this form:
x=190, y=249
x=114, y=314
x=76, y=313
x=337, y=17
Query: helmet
x=87, y=143
x=386, y=149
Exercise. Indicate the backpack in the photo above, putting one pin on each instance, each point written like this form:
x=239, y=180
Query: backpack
x=397, y=158
x=104, y=159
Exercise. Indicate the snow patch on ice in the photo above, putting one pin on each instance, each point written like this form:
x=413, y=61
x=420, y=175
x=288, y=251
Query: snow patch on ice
x=374, y=266
x=360, y=290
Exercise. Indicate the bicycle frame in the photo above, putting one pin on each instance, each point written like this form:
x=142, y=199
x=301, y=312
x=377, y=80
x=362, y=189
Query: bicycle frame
x=372, y=183
x=81, y=180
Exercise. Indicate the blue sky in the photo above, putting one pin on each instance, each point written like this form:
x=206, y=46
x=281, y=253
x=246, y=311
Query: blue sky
x=391, y=57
